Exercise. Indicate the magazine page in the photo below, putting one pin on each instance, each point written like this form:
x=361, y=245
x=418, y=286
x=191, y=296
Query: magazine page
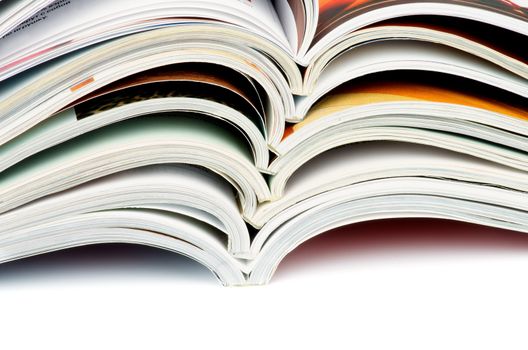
x=369, y=161
x=14, y=12
x=333, y=13
x=119, y=147
x=173, y=189
x=292, y=14
x=393, y=55
x=205, y=81
x=66, y=25
x=473, y=37
x=339, y=17
x=140, y=130
x=512, y=44
x=8, y=10
x=98, y=194
x=438, y=89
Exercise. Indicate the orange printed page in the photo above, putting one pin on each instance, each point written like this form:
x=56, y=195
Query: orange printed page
x=202, y=73
x=383, y=92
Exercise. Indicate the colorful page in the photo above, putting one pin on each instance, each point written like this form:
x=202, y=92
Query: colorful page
x=333, y=13
x=401, y=90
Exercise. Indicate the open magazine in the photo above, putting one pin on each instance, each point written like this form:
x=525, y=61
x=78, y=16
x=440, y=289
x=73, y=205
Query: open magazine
x=233, y=131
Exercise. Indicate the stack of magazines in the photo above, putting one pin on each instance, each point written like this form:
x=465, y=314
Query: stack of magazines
x=232, y=131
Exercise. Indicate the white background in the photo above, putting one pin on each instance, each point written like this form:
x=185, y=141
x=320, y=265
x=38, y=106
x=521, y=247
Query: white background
x=395, y=284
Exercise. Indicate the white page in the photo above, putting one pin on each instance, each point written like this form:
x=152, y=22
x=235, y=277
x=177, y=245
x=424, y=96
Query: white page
x=89, y=196
x=174, y=188
x=70, y=24
x=383, y=156
x=287, y=19
x=131, y=132
x=14, y=12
